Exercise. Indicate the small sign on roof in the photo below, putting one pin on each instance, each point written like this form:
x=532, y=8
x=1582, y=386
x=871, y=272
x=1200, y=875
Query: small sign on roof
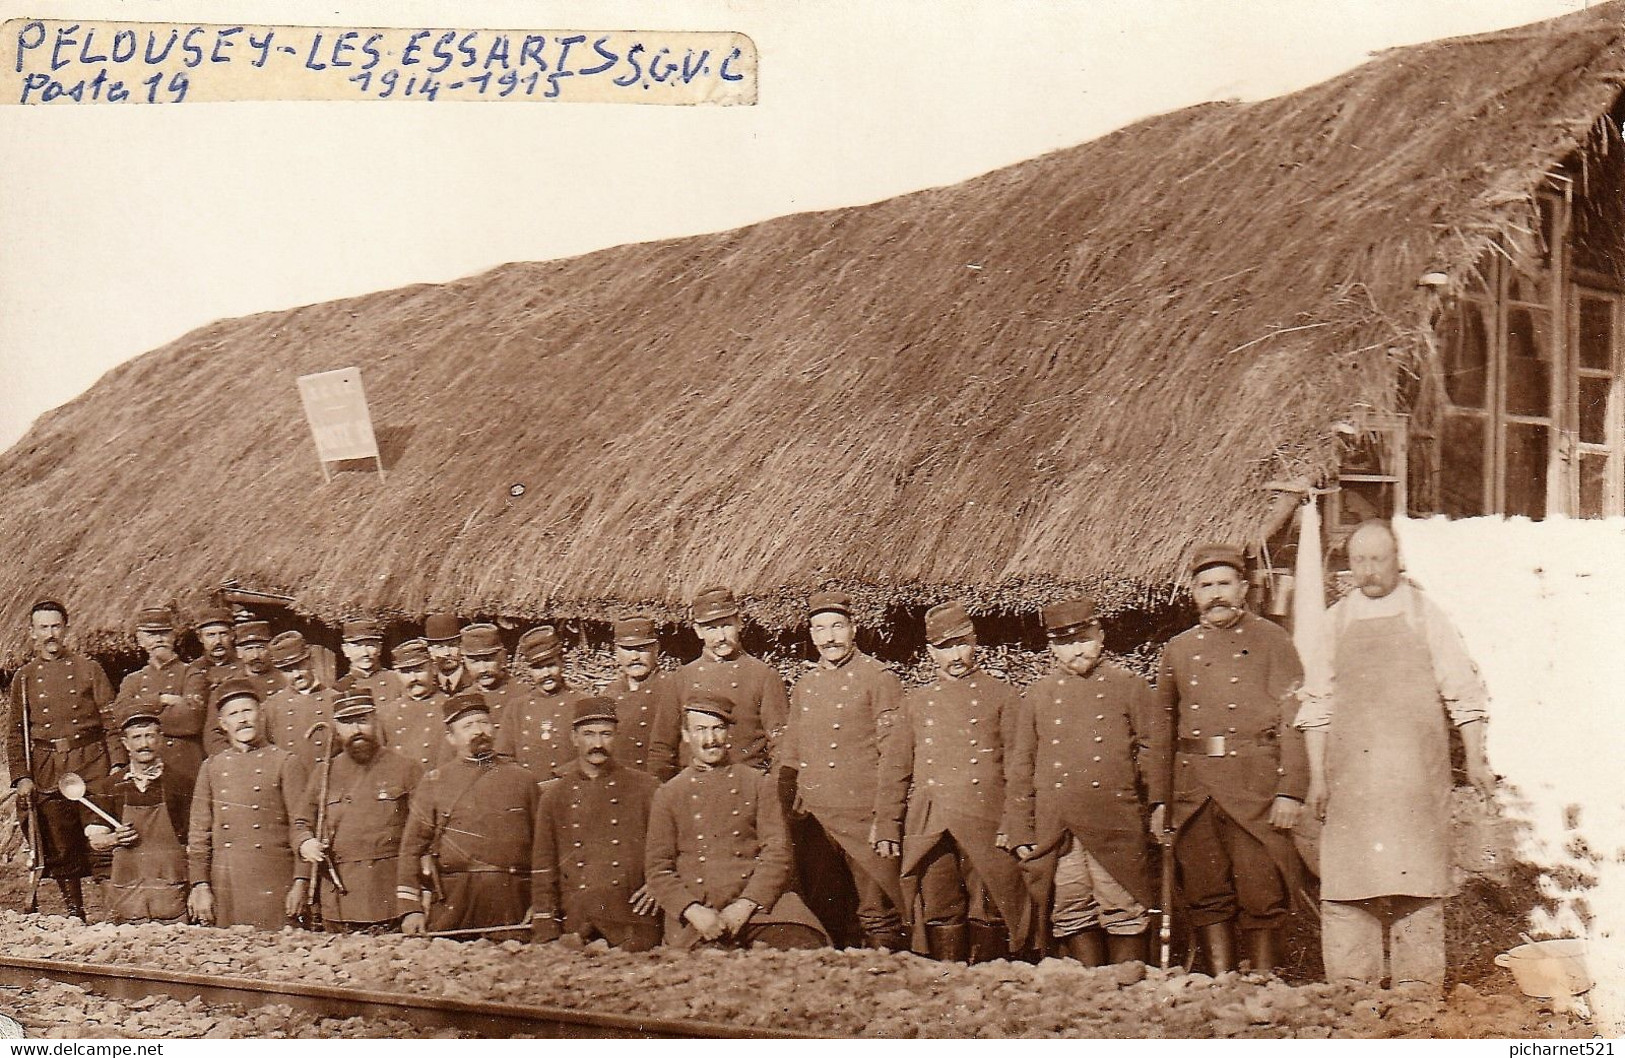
x=336, y=408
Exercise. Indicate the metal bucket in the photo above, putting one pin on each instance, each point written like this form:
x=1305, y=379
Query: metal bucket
x=1547, y=969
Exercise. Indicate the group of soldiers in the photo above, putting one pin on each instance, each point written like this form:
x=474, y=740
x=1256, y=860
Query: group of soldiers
x=455, y=797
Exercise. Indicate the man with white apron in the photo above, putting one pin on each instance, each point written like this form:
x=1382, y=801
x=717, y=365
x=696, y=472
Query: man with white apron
x=152, y=799
x=1379, y=758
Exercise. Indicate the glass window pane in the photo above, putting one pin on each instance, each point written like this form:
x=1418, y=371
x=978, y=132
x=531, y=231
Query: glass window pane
x=1526, y=282
x=1594, y=410
x=1596, y=337
x=1466, y=354
x=1525, y=481
x=1461, y=466
x=1529, y=378
x=1593, y=484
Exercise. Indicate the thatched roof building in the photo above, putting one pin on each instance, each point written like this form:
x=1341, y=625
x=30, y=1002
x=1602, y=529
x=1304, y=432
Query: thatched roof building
x=1065, y=372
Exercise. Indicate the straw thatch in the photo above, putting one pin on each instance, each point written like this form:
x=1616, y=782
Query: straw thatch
x=1068, y=371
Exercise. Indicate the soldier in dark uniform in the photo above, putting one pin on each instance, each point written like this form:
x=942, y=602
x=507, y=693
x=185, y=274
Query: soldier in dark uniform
x=253, y=640
x=469, y=834
x=412, y=721
x=302, y=702
x=718, y=852
x=1074, y=798
x=1225, y=753
x=442, y=633
x=363, y=645
x=645, y=700
x=216, y=631
x=533, y=726
x=70, y=728
x=152, y=798
x=364, y=815
x=240, y=846
x=723, y=668
x=588, y=850
x=837, y=752
x=161, y=684
x=974, y=902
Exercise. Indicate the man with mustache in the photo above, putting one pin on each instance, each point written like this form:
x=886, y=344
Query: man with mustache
x=466, y=851
x=1379, y=770
x=368, y=791
x=302, y=701
x=1225, y=756
x=253, y=639
x=974, y=902
x=240, y=844
x=162, y=680
x=645, y=701
x=216, y=633
x=723, y=668
x=588, y=851
x=410, y=721
x=442, y=633
x=1074, y=794
x=718, y=852
x=533, y=723
x=152, y=799
x=838, y=754
x=363, y=645
x=70, y=730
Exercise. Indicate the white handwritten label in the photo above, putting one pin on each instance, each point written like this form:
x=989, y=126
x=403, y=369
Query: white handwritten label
x=336, y=408
x=55, y=61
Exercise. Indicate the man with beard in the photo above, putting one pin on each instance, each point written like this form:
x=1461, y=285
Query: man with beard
x=723, y=668
x=442, y=634
x=466, y=851
x=216, y=632
x=254, y=663
x=973, y=899
x=364, y=815
x=69, y=724
x=588, y=852
x=162, y=680
x=1225, y=754
x=240, y=848
x=838, y=753
x=1073, y=798
x=645, y=701
x=290, y=712
x=411, y=720
x=152, y=799
x=363, y=645
x=718, y=852
x=533, y=728
x=1378, y=741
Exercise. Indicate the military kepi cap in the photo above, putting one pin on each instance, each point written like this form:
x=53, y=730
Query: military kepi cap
x=711, y=704
x=541, y=644
x=355, y=704
x=947, y=621
x=1218, y=555
x=237, y=687
x=412, y=654
x=1066, y=618
x=138, y=712
x=440, y=628
x=714, y=604
x=635, y=632
x=362, y=629
x=462, y=703
x=214, y=615
x=829, y=602
x=288, y=649
x=253, y=632
x=479, y=641
x=155, y=619
x=594, y=711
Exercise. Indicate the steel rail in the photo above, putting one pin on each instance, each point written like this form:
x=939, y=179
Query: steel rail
x=483, y=1018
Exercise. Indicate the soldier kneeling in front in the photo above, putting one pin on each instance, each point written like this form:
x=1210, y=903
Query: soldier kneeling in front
x=718, y=852
x=152, y=799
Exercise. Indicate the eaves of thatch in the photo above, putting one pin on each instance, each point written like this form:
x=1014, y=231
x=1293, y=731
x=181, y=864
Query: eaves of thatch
x=1065, y=372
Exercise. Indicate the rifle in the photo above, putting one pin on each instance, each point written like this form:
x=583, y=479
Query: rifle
x=36, y=852
x=316, y=869
x=1165, y=927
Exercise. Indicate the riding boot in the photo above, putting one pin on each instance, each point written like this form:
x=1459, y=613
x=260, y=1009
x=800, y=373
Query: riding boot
x=1262, y=947
x=988, y=941
x=892, y=939
x=948, y=943
x=73, y=895
x=1088, y=947
x=1129, y=947
x=1220, y=946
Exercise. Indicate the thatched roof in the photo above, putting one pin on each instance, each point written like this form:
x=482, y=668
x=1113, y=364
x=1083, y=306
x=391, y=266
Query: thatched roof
x=1068, y=371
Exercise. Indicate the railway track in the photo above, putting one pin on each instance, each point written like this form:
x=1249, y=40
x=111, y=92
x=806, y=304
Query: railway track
x=485, y=1019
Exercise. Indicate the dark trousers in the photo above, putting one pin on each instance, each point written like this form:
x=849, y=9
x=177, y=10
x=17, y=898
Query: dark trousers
x=63, y=845
x=1226, y=873
x=950, y=888
x=828, y=858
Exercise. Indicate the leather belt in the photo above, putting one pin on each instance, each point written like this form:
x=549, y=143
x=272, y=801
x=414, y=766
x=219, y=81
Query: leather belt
x=485, y=869
x=1219, y=745
x=62, y=745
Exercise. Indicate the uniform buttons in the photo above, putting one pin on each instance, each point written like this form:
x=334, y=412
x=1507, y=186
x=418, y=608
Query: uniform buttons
x=256, y=844
x=1057, y=786
x=578, y=844
x=612, y=841
x=1232, y=705
x=973, y=702
x=614, y=863
x=702, y=859
x=1057, y=764
x=1097, y=759
x=832, y=764
x=975, y=782
x=227, y=844
x=256, y=826
x=1195, y=732
x=1100, y=716
x=1235, y=679
x=736, y=833
x=1058, y=702
x=973, y=760
x=1095, y=784
x=1232, y=753
x=1055, y=742
x=1232, y=730
x=1100, y=738
x=836, y=726
x=834, y=745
